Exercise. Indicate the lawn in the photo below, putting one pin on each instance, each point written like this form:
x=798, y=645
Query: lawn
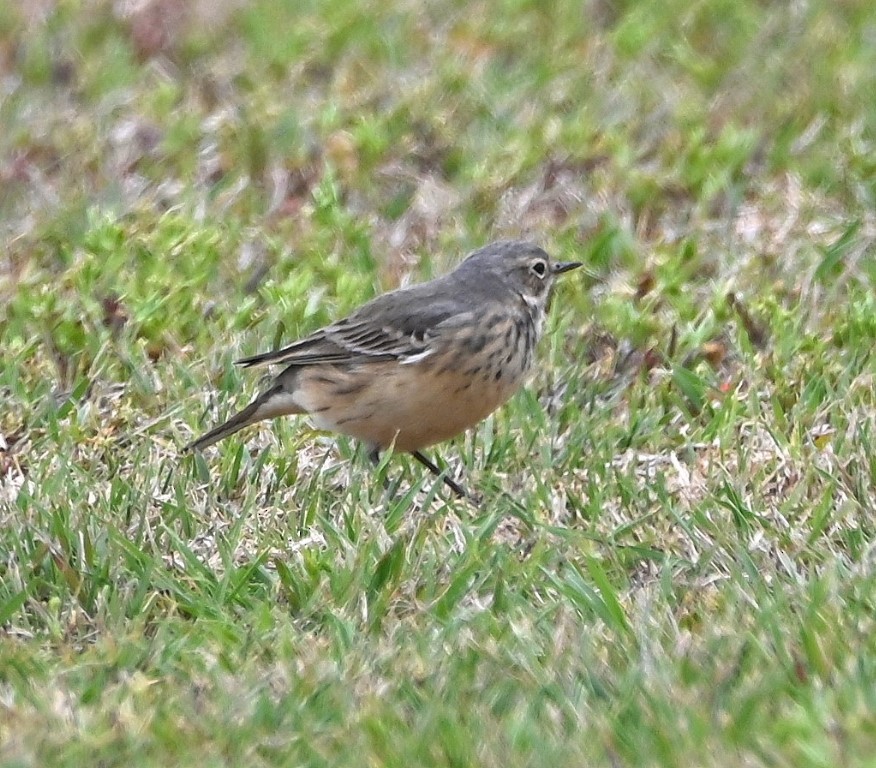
x=673, y=561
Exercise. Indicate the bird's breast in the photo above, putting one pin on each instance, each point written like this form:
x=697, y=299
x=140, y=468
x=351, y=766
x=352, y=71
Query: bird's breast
x=468, y=375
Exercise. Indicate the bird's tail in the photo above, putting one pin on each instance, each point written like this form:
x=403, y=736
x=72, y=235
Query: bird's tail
x=277, y=401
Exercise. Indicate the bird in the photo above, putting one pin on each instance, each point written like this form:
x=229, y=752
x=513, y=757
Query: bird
x=418, y=365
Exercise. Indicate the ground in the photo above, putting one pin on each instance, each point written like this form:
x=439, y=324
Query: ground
x=673, y=561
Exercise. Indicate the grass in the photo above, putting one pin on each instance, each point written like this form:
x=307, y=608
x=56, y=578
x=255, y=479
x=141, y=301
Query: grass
x=674, y=559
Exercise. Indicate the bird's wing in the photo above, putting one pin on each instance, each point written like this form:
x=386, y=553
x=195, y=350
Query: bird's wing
x=391, y=327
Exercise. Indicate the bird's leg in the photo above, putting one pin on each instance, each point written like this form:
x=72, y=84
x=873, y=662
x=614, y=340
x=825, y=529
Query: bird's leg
x=374, y=458
x=432, y=467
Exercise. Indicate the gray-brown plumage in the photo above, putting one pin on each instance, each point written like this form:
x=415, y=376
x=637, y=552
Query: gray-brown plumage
x=419, y=365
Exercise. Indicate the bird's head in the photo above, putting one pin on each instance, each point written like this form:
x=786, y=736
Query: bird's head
x=517, y=265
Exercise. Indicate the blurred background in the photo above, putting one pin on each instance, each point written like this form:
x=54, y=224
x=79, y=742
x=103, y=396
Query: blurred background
x=234, y=142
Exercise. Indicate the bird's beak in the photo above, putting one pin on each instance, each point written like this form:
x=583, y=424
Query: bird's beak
x=566, y=266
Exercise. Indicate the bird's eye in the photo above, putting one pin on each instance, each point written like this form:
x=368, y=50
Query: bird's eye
x=539, y=268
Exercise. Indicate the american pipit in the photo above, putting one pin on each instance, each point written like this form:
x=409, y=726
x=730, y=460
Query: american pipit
x=419, y=365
